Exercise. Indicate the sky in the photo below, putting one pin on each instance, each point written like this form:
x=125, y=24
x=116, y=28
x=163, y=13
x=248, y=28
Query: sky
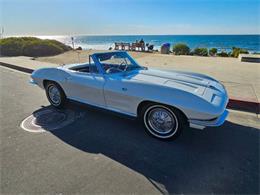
x=129, y=17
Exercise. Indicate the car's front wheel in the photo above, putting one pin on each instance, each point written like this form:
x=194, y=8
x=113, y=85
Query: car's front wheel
x=162, y=122
x=55, y=94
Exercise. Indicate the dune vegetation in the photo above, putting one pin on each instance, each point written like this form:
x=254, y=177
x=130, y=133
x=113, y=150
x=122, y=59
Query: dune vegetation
x=183, y=49
x=31, y=46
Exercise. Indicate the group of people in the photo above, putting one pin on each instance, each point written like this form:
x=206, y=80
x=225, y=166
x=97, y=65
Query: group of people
x=136, y=46
x=141, y=41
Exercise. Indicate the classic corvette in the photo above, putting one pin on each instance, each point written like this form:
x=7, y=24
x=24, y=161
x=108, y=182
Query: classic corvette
x=165, y=101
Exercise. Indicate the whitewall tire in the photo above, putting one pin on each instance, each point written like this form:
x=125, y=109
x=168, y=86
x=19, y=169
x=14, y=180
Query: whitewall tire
x=55, y=94
x=162, y=121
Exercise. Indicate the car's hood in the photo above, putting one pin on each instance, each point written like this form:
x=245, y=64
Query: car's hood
x=200, y=85
x=191, y=82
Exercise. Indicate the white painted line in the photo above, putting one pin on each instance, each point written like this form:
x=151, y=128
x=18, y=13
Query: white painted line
x=64, y=118
x=30, y=130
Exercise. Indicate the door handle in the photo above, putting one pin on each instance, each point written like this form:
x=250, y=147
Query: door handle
x=124, y=89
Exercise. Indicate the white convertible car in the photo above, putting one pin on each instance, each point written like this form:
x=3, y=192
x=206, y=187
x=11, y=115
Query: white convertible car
x=165, y=101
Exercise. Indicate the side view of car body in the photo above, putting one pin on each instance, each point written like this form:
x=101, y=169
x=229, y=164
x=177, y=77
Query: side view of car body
x=165, y=101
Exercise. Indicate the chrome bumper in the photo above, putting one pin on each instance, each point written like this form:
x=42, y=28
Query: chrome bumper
x=198, y=124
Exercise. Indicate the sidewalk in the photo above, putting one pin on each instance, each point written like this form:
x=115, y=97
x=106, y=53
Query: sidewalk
x=26, y=62
x=243, y=95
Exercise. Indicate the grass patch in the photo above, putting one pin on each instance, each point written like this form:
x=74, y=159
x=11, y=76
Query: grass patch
x=31, y=46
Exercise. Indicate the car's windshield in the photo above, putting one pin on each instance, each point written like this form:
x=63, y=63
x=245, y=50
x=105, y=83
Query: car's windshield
x=115, y=62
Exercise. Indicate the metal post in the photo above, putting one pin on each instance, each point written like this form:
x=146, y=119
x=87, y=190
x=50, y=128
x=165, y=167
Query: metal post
x=2, y=33
x=72, y=40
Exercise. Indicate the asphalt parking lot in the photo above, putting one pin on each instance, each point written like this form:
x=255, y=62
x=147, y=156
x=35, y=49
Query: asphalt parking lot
x=103, y=152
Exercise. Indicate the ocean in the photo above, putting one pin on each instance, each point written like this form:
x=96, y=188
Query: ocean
x=221, y=42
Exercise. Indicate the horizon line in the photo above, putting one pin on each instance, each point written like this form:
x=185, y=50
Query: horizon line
x=127, y=35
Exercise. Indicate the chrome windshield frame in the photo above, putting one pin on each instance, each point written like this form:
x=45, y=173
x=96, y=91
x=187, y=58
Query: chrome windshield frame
x=99, y=65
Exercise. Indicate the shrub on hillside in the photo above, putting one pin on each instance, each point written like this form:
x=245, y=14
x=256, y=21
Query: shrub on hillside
x=79, y=48
x=223, y=54
x=200, y=52
x=61, y=45
x=236, y=51
x=181, y=49
x=41, y=49
x=31, y=46
x=11, y=47
x=213, y=51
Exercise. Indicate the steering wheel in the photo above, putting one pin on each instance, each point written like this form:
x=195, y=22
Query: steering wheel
x=113, y=70
x=123, y=63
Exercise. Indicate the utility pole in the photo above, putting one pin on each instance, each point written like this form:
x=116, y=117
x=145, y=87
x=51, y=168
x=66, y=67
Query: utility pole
x=2, y=33
x=72, y=40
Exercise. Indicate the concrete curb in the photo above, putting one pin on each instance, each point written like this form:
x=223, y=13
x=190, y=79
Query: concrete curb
x=234, y=103
x=244, y=105
x=23, y=69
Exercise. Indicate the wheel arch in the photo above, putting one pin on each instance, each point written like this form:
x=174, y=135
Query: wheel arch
x=144, y=103
x=46, y=81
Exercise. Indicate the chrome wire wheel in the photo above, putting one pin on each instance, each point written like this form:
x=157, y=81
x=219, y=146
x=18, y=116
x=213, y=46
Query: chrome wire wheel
x=160, y=121
x=54, y=95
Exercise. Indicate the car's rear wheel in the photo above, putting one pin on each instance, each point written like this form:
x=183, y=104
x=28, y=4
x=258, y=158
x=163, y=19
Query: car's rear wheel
x=55, y=94
x=162, y=121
